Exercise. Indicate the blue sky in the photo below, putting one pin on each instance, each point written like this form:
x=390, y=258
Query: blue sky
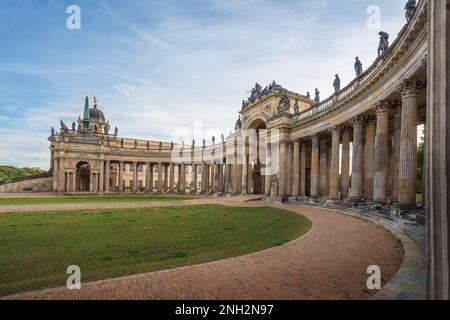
x=159, y=67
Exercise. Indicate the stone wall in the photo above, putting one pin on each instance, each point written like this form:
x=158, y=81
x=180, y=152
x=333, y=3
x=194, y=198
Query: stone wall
x=43, y=183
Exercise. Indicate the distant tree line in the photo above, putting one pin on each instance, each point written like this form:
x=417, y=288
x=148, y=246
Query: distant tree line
x=8, y=173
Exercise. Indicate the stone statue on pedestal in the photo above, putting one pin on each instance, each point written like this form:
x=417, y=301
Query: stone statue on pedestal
x=285, y=104
x=296, y=107
x=317, y=96
x=384, y=43
x=358, y=67
x=410, y=8
x=337, y=84
x=238, y=124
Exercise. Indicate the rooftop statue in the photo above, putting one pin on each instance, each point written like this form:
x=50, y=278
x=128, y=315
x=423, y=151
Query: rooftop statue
x=285, y=104
x=213, y=140
x=204, y=143
x=148, y=145
x=258, y=92
x=53, y=131
x=238, y=124
x=317, y=96
x=116, y=132
x=64, y=127
x=74, y=126
x=135, y=144
x=296, y=107
x=308, y=95
x=410, y=8
x=337, y=84
x=384, y=43
x=358, y=67
x=222, y=137
x=160, y=146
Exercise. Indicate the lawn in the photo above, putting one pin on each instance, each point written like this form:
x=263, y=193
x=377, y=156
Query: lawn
x=87, y=199
x=36, y=249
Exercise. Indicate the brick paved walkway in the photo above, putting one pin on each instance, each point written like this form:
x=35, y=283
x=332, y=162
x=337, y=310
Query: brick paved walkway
x=329, y=262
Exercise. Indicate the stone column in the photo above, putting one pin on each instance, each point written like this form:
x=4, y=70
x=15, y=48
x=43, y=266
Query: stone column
x=345, y=164
x=55, y=173
x=203, y=180
x=102, y=176
x=296, y=172
x=166, y=176
x=335, y=157
x=61, y=175
x=408, y=145
x=396, y=152
x=194, y=179
x=182, y=178
x=91, y=182
x=107, y=175
x=268, y=170
x=121, y=169
x=289, y=168
x=438, y=150
x=74, y=181
x=283, y=158
x=315, y=166
x=245, y=172
x=152, y=169
x=369, y=158
x=381, y=152
x=302, y=183
x=172, y=178
x=357, y=163
x=147, y=177
x=323, y=166
x=159, y=177
x=67, y=186
x=135, y=177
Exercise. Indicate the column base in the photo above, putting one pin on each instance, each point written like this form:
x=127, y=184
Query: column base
x=405, y=206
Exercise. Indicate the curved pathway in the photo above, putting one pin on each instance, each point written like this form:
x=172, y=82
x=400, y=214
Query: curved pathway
x=329, y=262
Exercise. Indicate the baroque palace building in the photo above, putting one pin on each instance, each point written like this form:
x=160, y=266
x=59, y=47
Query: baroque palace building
x=376, y=116
x=303, y=146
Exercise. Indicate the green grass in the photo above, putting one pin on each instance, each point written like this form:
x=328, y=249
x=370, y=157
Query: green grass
x=87, y=199
x=37, y=248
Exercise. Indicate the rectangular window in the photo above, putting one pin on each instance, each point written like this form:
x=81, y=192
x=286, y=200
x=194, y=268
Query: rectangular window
x=140, y=168
x=140, y=183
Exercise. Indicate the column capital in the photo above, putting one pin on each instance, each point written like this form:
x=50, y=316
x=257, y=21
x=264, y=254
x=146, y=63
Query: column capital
x=382, y=108
x=337, y=130
x=357, y=121
x=315, y=137
x=410, y=87
x=370, y=121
